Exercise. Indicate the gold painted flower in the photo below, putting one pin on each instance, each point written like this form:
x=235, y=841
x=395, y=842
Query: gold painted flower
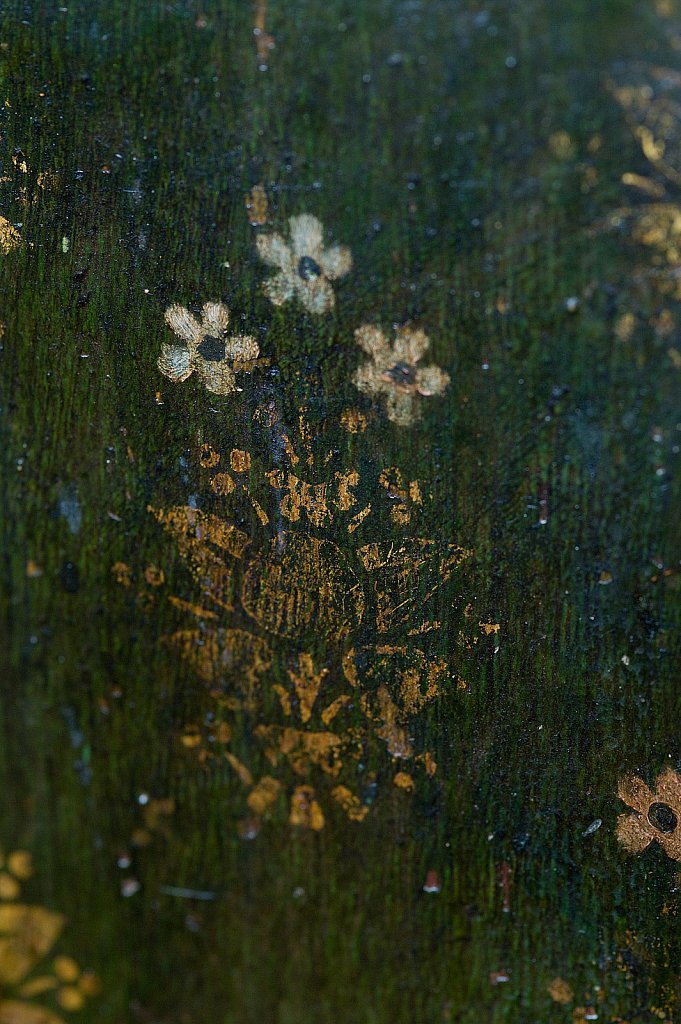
x=656, y=816
x=395, y=372
x=306, y=267
x=207, y=351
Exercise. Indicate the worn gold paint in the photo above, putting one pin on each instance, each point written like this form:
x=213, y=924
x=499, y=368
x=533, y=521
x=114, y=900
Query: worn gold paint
x=257, y=204
x=263, y=794
x=231, y=661
x=208, y=457
x=154, y=815
x=154, y=576
x=222, y=484
x=240, y=768
x=193, y=532
x=265, y=42
x=359, y=518
x=354, y=421
x=300, y=496
x=560, y=991
x=307, y=682
x=284, y=698
x=239, y=460
x=408, y=574
x=329, y=713
x=351, y=804
x=301, y=749
x=490, y=628
x=303, y=582
x=428, y=762
x=194, y=609
x=305, y=810
x=296, y=584
x=10, y=238
x=260, y=512
x=122, y=574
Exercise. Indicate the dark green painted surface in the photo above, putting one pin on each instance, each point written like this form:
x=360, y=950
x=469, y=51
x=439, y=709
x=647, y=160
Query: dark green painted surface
x=424, y=136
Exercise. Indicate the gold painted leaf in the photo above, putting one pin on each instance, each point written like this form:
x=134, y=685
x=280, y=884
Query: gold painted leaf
x=303, y=584
x=651, y=98
x=231, y=661
x=14, y=1011
x=406, y=576
x=27, y=934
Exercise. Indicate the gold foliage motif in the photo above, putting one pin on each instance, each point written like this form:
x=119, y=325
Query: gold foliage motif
x=28, y=933
x=330, y=697
x=304, y=582
x=651, y=99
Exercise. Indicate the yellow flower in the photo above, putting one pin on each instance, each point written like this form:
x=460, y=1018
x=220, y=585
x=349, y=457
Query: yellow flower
x=394, y=371
x=656, y=816
x=207, y=350
x=305, y=266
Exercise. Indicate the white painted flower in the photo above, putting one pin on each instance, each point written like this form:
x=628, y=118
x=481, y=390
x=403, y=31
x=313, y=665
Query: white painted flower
x=394, y=371
x=207, y=350
x=305, y=266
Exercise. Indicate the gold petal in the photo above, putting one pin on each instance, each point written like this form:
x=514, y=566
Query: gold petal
x=9, y=887
x=374, y=342
x=633, y=832
x=634, y=792
x=273, y=250
x=279, y=289
x=410, y=345
x=307, y=234
x=431, y=380
x=263, y=794
x=184, y=324
x=336, y=261
x=215, y=319
x=20, y=864
x=175, y=363
x=243, y=347
x=38, y=986
x=305, y=811
x=316, y=296
x=671, y=843
x=668, y=789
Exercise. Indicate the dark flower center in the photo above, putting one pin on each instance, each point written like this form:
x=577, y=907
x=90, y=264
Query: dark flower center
x=308, y=268
x=212, y=349
x=662, y=817
x=401, y=374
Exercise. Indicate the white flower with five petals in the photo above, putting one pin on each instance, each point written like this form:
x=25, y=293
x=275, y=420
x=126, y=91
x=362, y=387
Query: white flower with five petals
x=207, y=350
x=306, y=267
